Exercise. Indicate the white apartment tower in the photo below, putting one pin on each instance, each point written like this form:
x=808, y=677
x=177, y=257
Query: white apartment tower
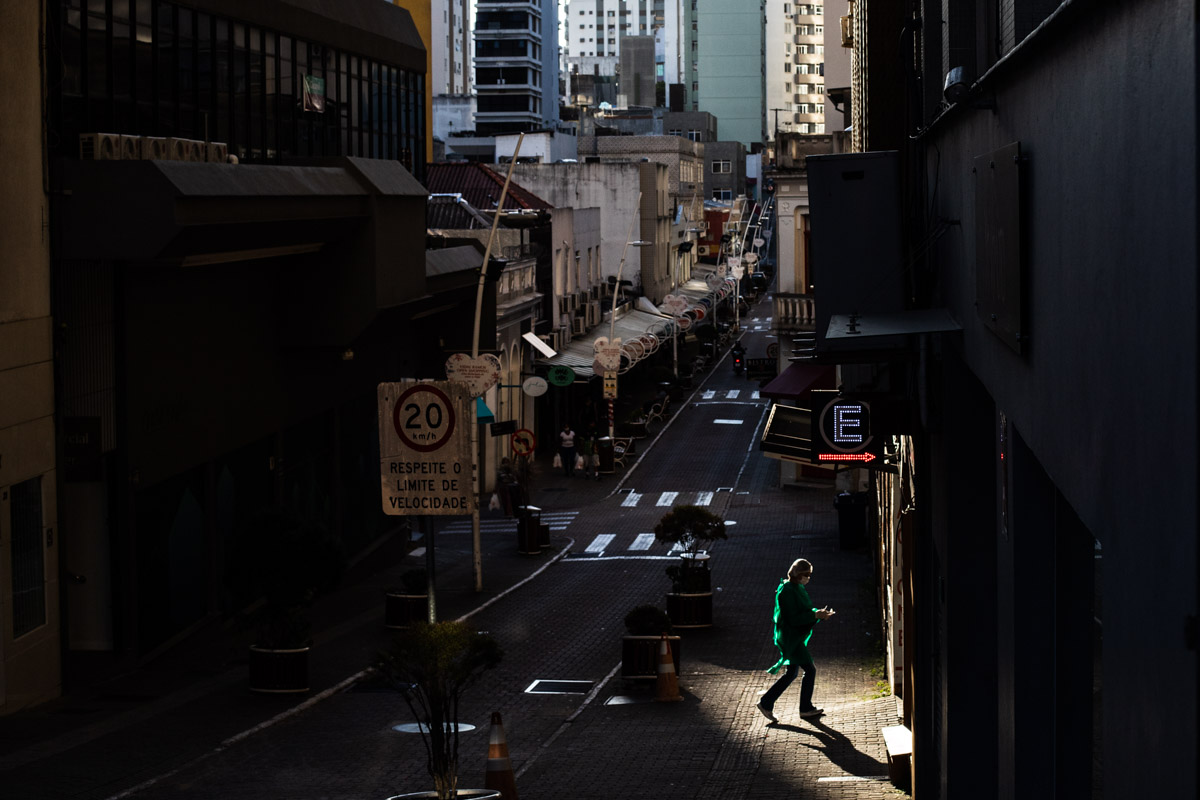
x=451, y=23
x=594, y=29
x=795, y=67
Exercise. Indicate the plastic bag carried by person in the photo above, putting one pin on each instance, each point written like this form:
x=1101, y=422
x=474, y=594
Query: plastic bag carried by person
x=558, y=460
x=494, y=505
x=580, y=463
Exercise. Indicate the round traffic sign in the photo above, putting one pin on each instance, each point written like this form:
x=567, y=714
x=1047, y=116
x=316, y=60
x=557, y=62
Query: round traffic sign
x=424, y=418
x=773, y=350
x=523, y=442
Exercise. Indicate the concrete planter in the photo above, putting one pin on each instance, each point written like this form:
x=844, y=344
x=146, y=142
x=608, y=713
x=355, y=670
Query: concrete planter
x=279, y=671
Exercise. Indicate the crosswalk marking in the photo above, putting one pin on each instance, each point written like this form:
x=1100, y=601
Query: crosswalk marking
x=732, y=394
x=557, y=520
x=601, y=541
x=728, y=421
x=755, y=395
x=642, y=542
x=665, y=499
x=709, y=394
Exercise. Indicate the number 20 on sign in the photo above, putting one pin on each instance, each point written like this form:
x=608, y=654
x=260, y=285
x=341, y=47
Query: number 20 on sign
x=424, y=449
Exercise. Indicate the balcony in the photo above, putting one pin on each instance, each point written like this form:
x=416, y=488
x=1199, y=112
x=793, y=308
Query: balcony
x=794, y=312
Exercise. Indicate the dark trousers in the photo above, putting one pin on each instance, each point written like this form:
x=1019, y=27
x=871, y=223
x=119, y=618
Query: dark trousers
x=568, y=459
x=785, y=680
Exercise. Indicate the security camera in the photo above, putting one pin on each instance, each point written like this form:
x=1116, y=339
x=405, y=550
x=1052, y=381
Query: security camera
x=957, y=85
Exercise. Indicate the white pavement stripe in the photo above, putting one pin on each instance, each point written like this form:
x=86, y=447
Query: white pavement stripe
x=675, y=548
x=631, y=500
x=642, y=542
x=732, y=394
x=852, y=778
x=667, y=499
x=728, y=421
x=708, y=394
x=598, y=544
x=755, y=395
x=704, y=498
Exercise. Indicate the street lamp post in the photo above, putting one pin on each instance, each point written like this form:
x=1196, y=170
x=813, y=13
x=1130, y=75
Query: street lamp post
x=612, y=327
x=476, y=477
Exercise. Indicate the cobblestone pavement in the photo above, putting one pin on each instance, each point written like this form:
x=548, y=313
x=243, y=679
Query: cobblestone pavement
x=192, y=729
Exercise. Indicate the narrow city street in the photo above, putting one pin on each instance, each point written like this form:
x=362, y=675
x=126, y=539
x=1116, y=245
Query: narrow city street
x=558, y=617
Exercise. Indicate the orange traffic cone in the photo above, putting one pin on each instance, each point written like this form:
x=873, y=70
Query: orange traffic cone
x=667, y=685
x=499, y=767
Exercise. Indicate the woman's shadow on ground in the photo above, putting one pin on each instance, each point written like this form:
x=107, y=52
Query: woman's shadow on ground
x=837, y=747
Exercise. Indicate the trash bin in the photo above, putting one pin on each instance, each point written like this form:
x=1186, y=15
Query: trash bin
x=529, y=521
x=604, y=448
x=852, y=519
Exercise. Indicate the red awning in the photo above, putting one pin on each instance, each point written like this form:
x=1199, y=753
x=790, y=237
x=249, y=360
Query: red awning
x=798, y=379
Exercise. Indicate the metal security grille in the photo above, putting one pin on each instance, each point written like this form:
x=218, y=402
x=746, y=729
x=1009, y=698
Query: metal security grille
x=28, y=557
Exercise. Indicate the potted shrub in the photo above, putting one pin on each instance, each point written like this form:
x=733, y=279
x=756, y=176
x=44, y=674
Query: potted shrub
x=640, y=646
x=689, y=603
x=407, y=604
x=293, y=561
x=432, y=665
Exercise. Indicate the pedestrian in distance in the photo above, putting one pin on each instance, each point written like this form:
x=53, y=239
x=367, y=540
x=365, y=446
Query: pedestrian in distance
x=586, y=445
x=567, y=449
x=795, y=618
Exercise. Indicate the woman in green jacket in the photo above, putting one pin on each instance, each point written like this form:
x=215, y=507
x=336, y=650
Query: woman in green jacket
x=795, y=618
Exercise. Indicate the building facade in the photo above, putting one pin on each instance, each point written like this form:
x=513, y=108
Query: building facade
x=450, y=46
x=730, y=60
x=1043, y=340
x=516, y=66
x=795, y=67
x=201, y=371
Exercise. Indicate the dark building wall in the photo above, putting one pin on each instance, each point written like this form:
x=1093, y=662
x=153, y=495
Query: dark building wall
x=1102, y=387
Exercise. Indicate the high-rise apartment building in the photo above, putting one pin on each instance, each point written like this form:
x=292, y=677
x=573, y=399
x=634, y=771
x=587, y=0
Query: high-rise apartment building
x=593, y=31
x=451, y=47
x=516, y=65
x=795, y=67
x=731, y=68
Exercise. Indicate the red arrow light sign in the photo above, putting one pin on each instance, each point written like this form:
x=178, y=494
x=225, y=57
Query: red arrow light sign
x=863, y=457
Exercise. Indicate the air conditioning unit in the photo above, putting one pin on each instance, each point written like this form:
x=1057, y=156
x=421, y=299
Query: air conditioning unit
x=564, y=305
x=131, y=148
x=185, y=150
x=594, y=313
x=580, y=327
x=216, y=152
x=703, y=250
x=581, y=299
x=100, y=146
x=153, y=148
x=556, y=342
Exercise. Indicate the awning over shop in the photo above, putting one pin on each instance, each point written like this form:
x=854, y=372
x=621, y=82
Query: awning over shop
x=788, y=434
x=798, y=379
x=641, y=334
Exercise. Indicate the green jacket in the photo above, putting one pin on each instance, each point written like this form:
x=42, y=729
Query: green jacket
x=795, y=618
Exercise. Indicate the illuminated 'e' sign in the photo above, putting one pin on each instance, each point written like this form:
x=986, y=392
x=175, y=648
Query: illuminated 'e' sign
x=845, y=426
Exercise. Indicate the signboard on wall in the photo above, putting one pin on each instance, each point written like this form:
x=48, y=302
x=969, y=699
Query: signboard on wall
x=842, y=430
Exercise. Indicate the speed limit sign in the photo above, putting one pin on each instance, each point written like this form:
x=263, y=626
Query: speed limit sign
x=424, y=451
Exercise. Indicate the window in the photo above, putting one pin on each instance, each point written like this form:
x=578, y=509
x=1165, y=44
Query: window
x=675, y=132
x=722, y=194
x=721, y=167
x=787, y=88
x=787, y=66
x=694, y=135
x=787, y=27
